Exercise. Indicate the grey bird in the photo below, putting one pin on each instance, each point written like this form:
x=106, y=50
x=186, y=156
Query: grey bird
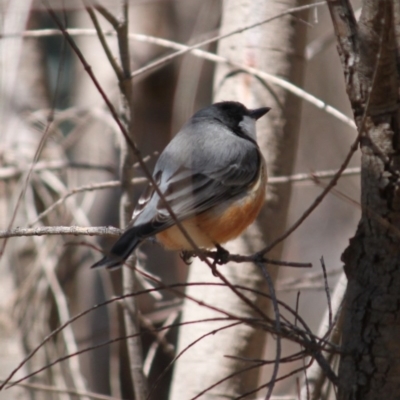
x=213, y=176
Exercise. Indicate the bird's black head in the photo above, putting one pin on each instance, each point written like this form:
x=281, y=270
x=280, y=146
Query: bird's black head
x=235, y=116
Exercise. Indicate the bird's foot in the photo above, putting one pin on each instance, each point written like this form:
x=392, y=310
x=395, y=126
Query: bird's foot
x=186, y=256
x=222, y=255
x=221, y=258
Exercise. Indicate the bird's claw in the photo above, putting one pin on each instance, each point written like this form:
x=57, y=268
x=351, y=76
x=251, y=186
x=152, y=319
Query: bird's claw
x=221, y=255
x=221, y=258
x=186, y=256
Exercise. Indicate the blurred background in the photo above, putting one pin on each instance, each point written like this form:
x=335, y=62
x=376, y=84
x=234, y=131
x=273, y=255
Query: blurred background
x=51, y=113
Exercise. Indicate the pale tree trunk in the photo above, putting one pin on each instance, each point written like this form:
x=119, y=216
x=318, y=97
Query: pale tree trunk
x=276, y=47
x=370, y=363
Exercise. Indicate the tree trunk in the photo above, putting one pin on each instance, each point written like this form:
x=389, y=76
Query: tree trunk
x=205, y=364
x=370, y=363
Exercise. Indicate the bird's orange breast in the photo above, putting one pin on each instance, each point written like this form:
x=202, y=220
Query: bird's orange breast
x=221, y=223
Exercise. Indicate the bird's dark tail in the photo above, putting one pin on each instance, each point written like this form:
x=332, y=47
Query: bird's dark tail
x=121, y=249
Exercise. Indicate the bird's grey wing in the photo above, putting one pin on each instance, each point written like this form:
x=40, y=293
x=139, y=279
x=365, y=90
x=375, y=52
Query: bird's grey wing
x=190, y=192
x=194, y=194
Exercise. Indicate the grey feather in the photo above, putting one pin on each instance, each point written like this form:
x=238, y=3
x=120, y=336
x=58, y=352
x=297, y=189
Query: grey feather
x=199, y=171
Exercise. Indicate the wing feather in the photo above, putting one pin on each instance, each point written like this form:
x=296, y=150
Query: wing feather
x=197, y=177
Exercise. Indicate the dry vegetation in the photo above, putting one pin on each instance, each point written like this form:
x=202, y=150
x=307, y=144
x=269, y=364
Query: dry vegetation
x=89, y=96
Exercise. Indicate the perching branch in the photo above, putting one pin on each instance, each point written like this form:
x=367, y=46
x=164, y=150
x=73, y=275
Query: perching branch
x=61, y=230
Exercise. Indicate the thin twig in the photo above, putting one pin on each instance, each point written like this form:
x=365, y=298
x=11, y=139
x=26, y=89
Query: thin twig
x=368, y=211
x=278, y=329
x=10, y=172
x=129, y=281
x=281, y=378
x=311, y=176
x=318, y=199
x=170, y=57
x=64, y=316
x=160, y=341
x=210, y=57
x=252, y=258
x=55, y=389
x=327, y=291
x=227, y=377
x=297, y=307
x=124, y=132
x=295, y=335
x=91, y=348
x=47, y=260
x=112, y=184
x=108, y=16
x=111, y=59
x=188, y=347
x=84, y=188
x=315, y=378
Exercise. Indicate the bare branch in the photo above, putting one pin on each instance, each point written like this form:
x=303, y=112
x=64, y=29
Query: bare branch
x=11, y=172
x=213, y=58
x=290, y=332
x=252, y=258
x=61, y=230
x=54, y=389
x=108, y=16
x=312, y=176
x=124, y=132
x=312, y=384
x=278, y=329
x=170, y=57
x=85, y=188
x=110, y=56
x=361, y=128
x=160, y=341
x=318, y=199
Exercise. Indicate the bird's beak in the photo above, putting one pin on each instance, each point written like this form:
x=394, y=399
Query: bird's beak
x=258, y=112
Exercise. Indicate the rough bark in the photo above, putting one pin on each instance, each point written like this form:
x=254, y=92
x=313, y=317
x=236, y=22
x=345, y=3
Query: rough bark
x=205, y=363
x=370, y=363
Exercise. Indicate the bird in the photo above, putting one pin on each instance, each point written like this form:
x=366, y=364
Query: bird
x=213, y=176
